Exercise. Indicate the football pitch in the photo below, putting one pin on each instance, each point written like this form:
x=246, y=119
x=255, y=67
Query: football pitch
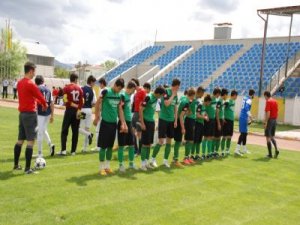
x=234, y=190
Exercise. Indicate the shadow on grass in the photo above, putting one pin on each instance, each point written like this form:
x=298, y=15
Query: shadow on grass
x=6, y=175
x=262, y=159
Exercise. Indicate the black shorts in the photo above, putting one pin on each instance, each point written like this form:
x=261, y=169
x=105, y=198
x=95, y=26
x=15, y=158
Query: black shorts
x=148, y=134
x=177, y=132
x=136, y=124
x=271, y=128
x=218, y=133
x=165, y=129
x=107, y=134
x=199, y=131
x=227, y=129
x=209, y=128
x=189, y=125
x=125, y=139
x=27, y=126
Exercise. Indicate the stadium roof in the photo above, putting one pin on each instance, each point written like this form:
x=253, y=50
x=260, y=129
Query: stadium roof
x=35, y=48
x=281, y=11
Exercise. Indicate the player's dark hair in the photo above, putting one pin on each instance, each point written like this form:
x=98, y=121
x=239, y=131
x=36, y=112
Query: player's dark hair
x=102, y=81
x=131, y=85
x=200, y=89
x=165, y=86
x=176, y=82
x=147, y=85
x=224, y=91
x=73, y=77
x=191, y=92
x=136, y=81
x=159, y=90
x=29, y=66
x=267, y=94
x=233, y=93
x=91, y=79
x=207, y=98
x=120, y=82
x=185, y=92
x=216, y=91
x=39, y=79
x=251, y=92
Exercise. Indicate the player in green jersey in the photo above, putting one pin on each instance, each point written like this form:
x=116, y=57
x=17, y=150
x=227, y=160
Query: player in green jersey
x=110, y=104
x=207, y=127
x=126, y=139
x=219, y=120
x=146, y=113
x=167, y=122
x=227, y=131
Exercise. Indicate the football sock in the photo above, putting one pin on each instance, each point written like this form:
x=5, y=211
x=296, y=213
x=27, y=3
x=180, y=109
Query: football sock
x=102, y=154
x=28, y=156
x=148, y=153
x=156, y=150
x=209, y=146
x=213, y=144
x=228, y=142
x=223, y=144
x=204, y=144
x=193, y=149
x=198, y=148
x=274, y=143
x=109, y=153
x=136, y=149
x=140, y=146
x=269, y=148
x=143, y=153
x=217, y=145
x=176, y=149
x=188, y=146
x=131, y=154
x=167, y=151
x=17, y=152
x=240, y=139
x=120, y=154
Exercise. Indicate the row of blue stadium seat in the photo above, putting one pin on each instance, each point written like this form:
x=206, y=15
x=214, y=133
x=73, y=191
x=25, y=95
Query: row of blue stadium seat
x=292, y=87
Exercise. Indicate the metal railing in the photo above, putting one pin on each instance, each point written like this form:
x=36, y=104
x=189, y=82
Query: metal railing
x=280, y=75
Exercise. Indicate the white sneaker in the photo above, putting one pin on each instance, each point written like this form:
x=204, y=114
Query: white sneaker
x=227, y=152
x=73, y=153
x=83, y=150
x=144, y=168
x=63, y=153
x=238, y=152
x=153, y=163
x=246, y=151
x=149, y=166
x=122, y=169
x=166, y=164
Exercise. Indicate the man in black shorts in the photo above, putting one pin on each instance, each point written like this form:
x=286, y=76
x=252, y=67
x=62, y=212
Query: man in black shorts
x=209, y=126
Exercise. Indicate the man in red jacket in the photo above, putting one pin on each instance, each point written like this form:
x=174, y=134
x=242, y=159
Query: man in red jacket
x=29, y=94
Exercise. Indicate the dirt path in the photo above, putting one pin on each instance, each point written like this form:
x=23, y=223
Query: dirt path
x=251, y=139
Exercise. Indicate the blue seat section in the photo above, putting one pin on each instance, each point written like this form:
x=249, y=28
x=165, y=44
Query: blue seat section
x=200, y=65
x=134, y=60
x=169, y=56
x=245, y=72
x=292, y=88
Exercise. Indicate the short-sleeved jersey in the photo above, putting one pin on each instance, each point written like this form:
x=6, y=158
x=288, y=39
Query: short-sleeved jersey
x=149, y=105
x=167, y=113
x=110, y=105
x=220, y=106
x=49, y=99
x=126, y=99
x=191, y=113
x=229, y=109
x=211, y=108
x=183, y=106
x=138, y=98
x=89, y=96
x=201, y=110
x=74, y=95
x=246, y=107
x=272, y=107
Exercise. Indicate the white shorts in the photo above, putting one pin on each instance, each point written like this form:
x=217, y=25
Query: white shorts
x=87, y=122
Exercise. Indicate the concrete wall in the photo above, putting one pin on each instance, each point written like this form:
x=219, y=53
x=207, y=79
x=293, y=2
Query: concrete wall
x=45, y=71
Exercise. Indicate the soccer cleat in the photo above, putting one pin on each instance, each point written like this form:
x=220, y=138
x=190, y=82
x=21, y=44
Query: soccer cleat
x=227, y=152
x=186, y=161
x=238, y=152
x=109, y=171
x=216, y=155
x=153, y=163
x=90, y=137
x=269, y=156
x=191, y=161
x=17, y=167
x=193, y=157
x=178, y=164
x=245, y=150
x=62, y=153
x=144, y=168
x=73, y=153
x=122, y=169
x=223, y=154
x=149, y=166
x=52, y=149
x=102, y=173
x=166, y=164
x=84, y=151
x=197, y=158
x=30, y=171
x=276, y=154
x=203, y=157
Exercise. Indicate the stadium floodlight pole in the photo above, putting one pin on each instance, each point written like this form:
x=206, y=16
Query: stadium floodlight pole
x=288, y=48
x=263, y=52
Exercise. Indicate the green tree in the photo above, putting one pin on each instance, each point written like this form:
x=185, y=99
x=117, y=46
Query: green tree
x=109, y=64
x=61, y=72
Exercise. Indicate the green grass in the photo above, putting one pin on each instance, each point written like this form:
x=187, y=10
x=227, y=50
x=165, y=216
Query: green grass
x=258, y=127
x=247, y=190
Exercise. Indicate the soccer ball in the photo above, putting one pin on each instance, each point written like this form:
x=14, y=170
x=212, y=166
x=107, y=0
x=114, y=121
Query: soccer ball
x=40, y=163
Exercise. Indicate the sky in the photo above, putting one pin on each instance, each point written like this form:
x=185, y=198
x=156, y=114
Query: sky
x=97, y=30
